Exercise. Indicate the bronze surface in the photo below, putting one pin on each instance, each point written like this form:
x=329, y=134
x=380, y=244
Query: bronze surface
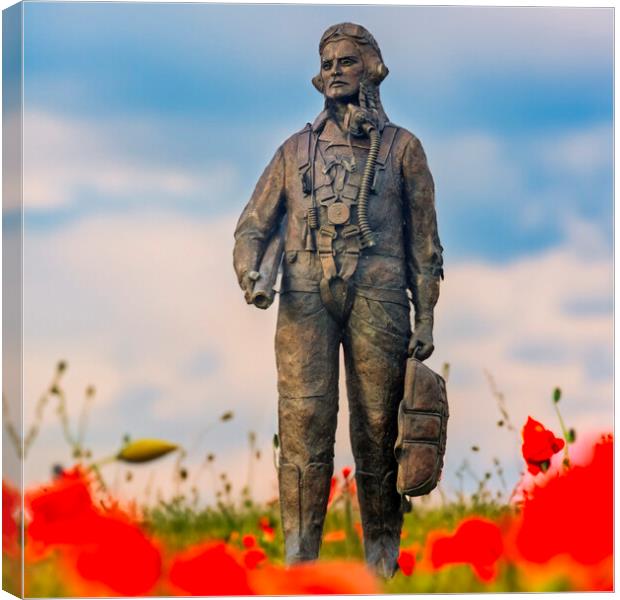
x=352, y=197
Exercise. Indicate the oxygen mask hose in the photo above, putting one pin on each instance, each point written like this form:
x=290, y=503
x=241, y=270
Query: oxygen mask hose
x=367, y=237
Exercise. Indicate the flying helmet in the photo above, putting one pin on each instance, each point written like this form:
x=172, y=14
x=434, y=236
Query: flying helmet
x=376, y=71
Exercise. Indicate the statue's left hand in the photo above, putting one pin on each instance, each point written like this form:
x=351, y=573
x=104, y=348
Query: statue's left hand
x=421, y=342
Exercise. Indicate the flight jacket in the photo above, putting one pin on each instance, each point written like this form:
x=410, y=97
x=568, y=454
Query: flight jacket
x=401, y=211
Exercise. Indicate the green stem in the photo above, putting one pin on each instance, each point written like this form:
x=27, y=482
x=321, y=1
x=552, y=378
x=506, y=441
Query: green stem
x=564, y=430
x=96, y=464
x=564, y=434
x=94, y=467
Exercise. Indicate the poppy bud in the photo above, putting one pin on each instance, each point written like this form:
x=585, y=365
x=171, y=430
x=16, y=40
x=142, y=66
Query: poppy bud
x=145, y=450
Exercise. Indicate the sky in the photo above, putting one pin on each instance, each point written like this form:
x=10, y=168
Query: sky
x=146, y=127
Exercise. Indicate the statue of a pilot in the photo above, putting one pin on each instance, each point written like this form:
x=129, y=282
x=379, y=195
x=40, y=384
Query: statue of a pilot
x=353, y=199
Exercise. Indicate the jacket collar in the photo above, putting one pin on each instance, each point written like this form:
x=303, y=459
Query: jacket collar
x=319, y=122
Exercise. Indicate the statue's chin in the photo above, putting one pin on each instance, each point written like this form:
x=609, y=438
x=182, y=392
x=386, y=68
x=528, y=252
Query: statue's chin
x=344, y=98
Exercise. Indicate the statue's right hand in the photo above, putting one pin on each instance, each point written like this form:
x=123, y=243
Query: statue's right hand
x=247, y=284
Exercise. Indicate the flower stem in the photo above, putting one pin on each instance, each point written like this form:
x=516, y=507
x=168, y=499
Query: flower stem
x=564, y=434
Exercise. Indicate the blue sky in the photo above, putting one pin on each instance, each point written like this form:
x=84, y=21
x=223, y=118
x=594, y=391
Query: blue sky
x=147, y=126
x=520, y=75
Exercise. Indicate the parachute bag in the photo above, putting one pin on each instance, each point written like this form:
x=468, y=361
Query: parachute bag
x=422, y=430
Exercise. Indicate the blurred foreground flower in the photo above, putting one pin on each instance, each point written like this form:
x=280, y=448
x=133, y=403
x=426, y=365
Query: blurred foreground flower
x=333, y=577
x=333, y=488
x=11, y=501
x=105, y=547
x=571, y=514
x=254, y=557
x=337, y=535
x=346, y=489
x=211, y=569
x=216, y=569
x=539, y=445
x=264, y=525
x=406, y=561
x=476, y=542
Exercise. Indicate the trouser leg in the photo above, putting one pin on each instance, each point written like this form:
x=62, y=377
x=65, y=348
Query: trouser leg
x=307, y=343
x=375, y=357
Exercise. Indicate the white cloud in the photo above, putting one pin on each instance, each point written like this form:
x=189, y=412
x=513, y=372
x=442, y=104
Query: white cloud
x=64, y=157
x=485, y=167
x=475, y=165
x=131, y=301
x=534, y=37
x=438, y=39
x=582, y=152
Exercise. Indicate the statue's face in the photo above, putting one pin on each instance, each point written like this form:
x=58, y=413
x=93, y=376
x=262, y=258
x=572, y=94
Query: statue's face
x=342, y=70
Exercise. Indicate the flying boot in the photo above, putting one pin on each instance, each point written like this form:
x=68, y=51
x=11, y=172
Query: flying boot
x=303, y=504
x=382, y=520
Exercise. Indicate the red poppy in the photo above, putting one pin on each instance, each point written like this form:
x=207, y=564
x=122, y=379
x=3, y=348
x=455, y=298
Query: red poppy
x=338, y=535
x=333, y=491
x=211, y=569
x=61, y=512
x=358, y=529
x=346, y=471
x=476, y=542
x=406, y=562
x=11, y=504
x=559, y=517
x=120, y=556
x=106, y=547
x=254, y=557
x=333, y=577
x=539, y=445
x=248, y=540
x=269, y=532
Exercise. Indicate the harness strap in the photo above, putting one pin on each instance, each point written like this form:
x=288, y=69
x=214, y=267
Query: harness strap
x=303, y=148
x=326, y=237
x=387, y=139
x=339, y=306
x=351, y=235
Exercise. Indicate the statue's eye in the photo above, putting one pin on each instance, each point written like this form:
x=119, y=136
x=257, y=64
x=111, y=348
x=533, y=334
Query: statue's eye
x=327, y=64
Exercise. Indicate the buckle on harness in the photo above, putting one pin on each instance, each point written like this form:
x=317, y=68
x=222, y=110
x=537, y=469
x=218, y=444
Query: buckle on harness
x=328, y=232
x=349, y=231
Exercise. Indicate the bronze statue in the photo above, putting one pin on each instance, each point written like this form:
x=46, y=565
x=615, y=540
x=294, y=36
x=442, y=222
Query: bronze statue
x=351, y=199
